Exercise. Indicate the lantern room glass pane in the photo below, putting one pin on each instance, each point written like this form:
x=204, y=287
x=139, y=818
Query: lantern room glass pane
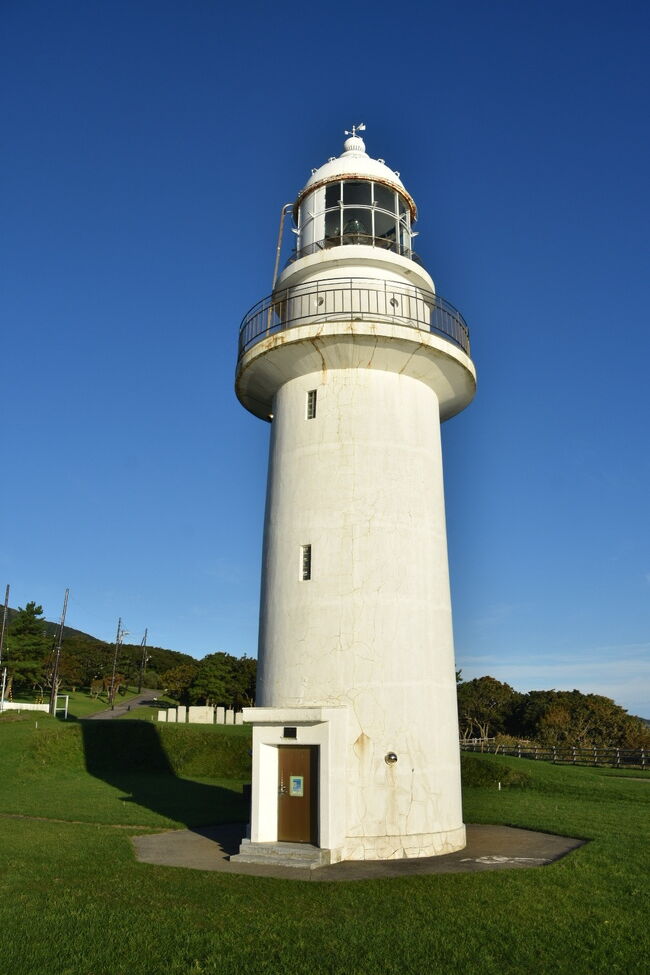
x=357, y=226
x=357, y=193
x=385, y=228
x=332, y=225
x=384, y=198
x=403, y=205
x=332, y=195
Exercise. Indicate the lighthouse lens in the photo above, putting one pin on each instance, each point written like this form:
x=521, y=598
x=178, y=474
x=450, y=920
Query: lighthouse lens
x=355, y=226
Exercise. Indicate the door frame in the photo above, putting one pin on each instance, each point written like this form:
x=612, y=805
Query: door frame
x=323, y=726
x=314, y=790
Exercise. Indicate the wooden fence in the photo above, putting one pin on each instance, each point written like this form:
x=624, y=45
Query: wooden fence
x=566, y=755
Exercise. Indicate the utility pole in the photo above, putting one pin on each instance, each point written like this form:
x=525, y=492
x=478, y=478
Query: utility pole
x=143, y=664
x=4, y=623
x=119, y=636
x=57, y=656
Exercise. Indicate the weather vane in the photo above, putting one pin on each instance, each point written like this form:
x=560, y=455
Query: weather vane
x=361, y=127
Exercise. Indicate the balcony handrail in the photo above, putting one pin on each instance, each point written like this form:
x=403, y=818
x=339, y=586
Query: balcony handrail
x=353, y=239
x=353, y=299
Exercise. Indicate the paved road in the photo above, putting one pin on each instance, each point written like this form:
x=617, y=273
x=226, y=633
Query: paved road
x=122, y=706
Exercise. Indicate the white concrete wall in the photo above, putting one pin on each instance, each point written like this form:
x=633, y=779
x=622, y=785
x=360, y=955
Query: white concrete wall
x=371, y=631
x=356, y=261
x=21, y=706
x=377, y=346
x=200, y=715
x=324, y=728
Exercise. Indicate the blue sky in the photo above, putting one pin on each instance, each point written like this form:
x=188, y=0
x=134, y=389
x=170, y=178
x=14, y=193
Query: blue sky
x=147, y=148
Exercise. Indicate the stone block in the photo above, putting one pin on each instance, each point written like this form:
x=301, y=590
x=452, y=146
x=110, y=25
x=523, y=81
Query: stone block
x=181, y=714
x=239, y=717
x=221, y=715
x=200, y=715
x=162, y=715
x=230, y=716
x=171, y=715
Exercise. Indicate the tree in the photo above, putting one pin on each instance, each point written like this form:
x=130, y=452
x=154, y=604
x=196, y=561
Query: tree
x=178, y=680
x=213, y=681
x=29, y=648
x=572, y=718
x=484, y=706
x=87, y=659
x=244, y=677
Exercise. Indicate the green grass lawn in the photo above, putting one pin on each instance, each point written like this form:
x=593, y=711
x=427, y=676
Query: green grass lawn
x=81, y=704
x=73, y=901
x=57, y=770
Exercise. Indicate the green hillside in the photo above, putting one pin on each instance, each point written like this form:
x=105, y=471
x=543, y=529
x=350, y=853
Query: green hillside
x=75, y=901
x=87, y=662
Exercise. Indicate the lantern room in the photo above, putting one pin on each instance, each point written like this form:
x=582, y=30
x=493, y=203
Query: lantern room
x=354, y=199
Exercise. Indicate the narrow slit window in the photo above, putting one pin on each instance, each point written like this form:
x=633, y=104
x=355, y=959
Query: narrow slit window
x=305, y=563
x=311, y=404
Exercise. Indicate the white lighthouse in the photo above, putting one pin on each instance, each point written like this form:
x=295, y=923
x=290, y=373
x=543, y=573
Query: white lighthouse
x=356, y=362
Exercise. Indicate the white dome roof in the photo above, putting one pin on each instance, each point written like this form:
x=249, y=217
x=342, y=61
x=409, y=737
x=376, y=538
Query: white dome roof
x=354, y=162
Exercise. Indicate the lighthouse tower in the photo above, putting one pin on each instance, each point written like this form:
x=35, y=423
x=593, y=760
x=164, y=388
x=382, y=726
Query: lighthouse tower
x=355, y=361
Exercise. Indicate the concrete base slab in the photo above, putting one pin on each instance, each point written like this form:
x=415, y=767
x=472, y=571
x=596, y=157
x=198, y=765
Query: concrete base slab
x=488, y=848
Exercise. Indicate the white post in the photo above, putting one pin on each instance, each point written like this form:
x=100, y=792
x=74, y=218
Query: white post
x=66, y=698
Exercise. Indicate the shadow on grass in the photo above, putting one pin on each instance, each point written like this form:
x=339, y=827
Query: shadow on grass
x=130, y=756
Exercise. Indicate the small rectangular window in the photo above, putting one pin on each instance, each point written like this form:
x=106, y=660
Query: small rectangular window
x=305, y=562
x=311, y=404
x=290, y=733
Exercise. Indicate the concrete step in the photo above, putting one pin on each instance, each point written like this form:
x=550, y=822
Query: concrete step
x=300, y=855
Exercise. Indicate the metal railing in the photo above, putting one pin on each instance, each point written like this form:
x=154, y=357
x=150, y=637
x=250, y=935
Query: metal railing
x=356, y=300
x=564, y=754
x=343, y=240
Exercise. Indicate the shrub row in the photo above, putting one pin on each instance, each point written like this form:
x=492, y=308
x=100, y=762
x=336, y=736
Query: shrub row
x=477, y=772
